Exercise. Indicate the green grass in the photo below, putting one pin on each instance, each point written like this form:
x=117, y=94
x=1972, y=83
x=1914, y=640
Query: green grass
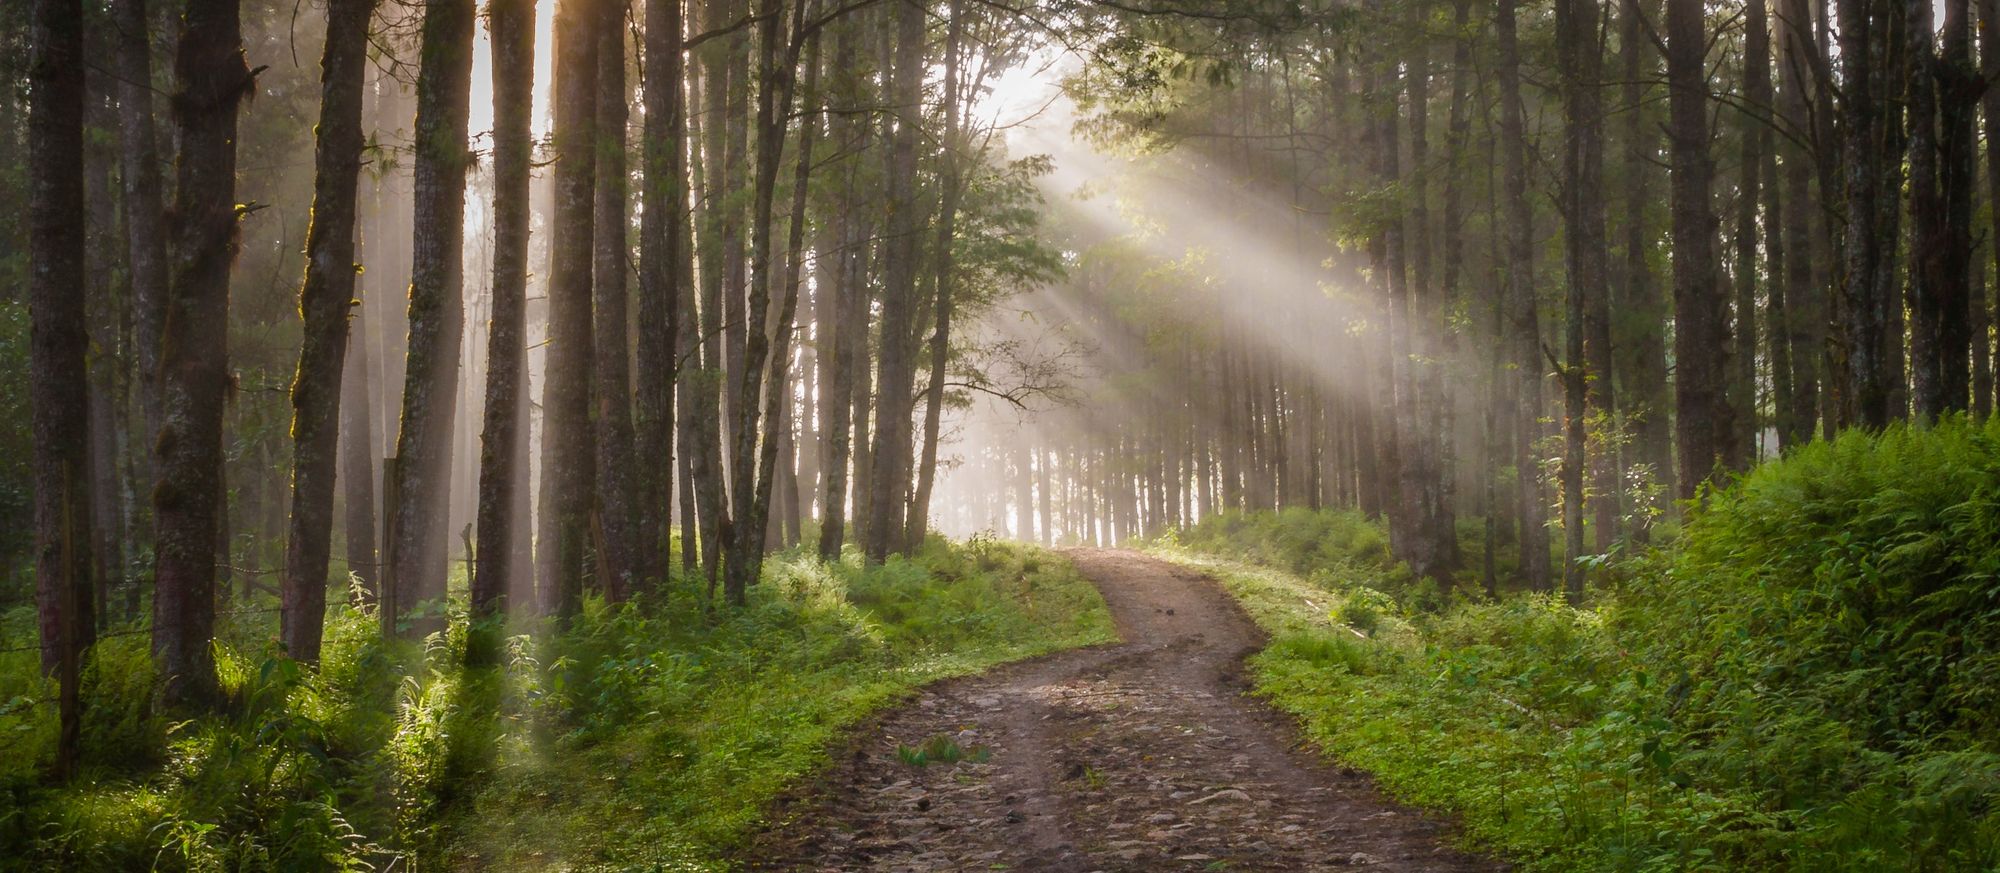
x=1806, y=680
x=645, y=737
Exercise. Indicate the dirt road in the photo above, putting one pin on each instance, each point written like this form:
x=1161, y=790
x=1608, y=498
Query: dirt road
x=1140, y=756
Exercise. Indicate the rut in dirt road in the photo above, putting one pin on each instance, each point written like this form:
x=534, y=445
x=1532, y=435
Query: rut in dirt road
x=1140, y=756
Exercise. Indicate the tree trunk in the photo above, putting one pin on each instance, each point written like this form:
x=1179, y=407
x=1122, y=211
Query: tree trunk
x=1393, y=388
x=512, y=24
x=1704, y=418
x=1863, y=330
x=1433, y=552
x=846, y=302
x=665, y=301
x=941, y=280
x=194, y=358
x=1646, y=404
x=59, y=390
x=789, y=456
x=701, y=392
x=326, y=299
x=611, y=383
x=1960, y=87
x=729, y=178
x=776, y=394
x=1804, y=298
x=357, y=454
x=1931, y=287
x=1741, y=449
x=889, y=473
x=145, y=220
x=102, y=307
x=1458, y=132
x=1588, y=380
x=1524, y=323
x=744, y=545
x=566, y=390
x=417, y=552
x=1989, y=59
x=1891, y=290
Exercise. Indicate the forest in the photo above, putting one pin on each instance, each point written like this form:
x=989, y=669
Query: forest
x=1066, y=435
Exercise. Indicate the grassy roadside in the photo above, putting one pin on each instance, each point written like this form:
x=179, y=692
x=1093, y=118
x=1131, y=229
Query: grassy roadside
x=1804, y=680
x=1420, y=719
x=644, y=737
x=694, y=733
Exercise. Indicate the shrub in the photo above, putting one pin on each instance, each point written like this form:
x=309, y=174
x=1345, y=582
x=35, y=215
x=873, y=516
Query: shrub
x=650, y=734
x=1300, y=541
x=1807, y=679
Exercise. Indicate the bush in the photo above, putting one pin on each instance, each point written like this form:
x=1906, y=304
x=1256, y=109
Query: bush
x=647, y=734
x=1828, y=636
x=1299, y=541
x=1808, y=679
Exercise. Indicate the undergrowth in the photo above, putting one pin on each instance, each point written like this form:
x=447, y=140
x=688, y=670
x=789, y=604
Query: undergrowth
x=644, y=736
x=1809, y=679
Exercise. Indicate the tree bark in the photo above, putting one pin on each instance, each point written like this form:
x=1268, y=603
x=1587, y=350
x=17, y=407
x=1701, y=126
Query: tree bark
x=1960, y=87
x=1704, y=418
x=59, y=381
x=777, y=395
x=512, y=25
x=326, y=299
x=701, y=388
x=194, y=359
x=145, y=219
x=357, y=476
x=665, y=301
x=417, y=550
x=1523, y=321
x=797, y=449
x=1931, y=289
x=611, y=383
x=1989, y=59
x=1433, y=551
x=566, y=419
x=1741, y=449
x=1804, y=298
x=1646, y=401
x=1588, y=379
x=890, y=456
x=846, y=347
x=1863, y=329
x=744, y=546
x=942, y=284
x=104, y=303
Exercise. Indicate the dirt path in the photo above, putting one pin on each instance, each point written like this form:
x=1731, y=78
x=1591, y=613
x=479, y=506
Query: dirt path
x=1140, y=756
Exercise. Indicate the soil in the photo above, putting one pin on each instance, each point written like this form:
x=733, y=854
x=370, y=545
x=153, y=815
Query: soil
x=1145, y=755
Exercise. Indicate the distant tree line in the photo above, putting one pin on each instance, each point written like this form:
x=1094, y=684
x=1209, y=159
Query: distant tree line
x=1515, y=271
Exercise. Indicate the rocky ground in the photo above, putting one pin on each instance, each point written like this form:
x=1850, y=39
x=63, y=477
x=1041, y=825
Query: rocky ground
x=1141, y=756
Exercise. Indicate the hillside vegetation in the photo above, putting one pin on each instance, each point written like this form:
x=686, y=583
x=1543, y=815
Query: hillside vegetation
x=647, y=735
x=1806, y=680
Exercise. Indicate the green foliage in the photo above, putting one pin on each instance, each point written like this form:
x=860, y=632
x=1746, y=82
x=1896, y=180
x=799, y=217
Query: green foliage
x=648, y=735
x=667, y=733
x=1340, y=544
x=1805, y=681
x=941, y=749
